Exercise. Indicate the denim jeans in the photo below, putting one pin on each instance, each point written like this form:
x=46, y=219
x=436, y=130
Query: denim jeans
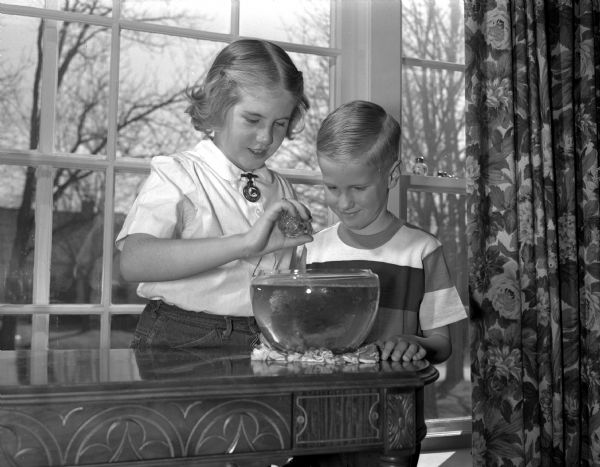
x=168, y=326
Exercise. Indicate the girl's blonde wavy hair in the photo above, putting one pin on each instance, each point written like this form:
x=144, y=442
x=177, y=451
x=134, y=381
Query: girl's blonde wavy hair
x=242, y=65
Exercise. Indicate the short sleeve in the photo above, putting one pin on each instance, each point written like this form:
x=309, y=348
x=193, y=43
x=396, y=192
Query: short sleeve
x=155, y=211
x=441, y=303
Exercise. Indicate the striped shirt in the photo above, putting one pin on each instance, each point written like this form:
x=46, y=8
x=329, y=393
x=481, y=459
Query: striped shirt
x=416, y=290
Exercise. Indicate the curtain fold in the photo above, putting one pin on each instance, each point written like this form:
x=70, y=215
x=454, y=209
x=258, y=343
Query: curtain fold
x=532, y=122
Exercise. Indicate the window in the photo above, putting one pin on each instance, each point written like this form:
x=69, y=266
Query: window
x=90, y=90
x=433, y=128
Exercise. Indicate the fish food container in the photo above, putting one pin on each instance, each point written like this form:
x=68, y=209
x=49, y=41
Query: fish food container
x=301, y=310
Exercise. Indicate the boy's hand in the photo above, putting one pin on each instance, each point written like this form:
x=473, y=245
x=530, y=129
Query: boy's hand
x=265, y=237
x=401, y=348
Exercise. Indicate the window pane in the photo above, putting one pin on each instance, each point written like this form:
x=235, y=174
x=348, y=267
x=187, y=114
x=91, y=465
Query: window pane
x=82, y=94
x=74, y=332
x=433, y=122
x=300, y=153
x=433, y=30
x=18, y=49
x=127, y=186
x=121, y=330
x=155, y=69
x=17, y=230
x=76, y=264
x=207, y=15
x=301, y=21
x=15, y=332
x=444, y=215
x=89, y=7
x=87, y=270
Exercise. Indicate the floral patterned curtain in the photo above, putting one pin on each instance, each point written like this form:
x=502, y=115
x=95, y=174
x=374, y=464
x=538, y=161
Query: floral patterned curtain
x=533, y=121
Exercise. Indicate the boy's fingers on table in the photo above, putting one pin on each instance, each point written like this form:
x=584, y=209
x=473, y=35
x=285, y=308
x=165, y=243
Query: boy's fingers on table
x=392, y=349
x=389, y=365
x=421, y=354
x=411, y=351
x=401, y=350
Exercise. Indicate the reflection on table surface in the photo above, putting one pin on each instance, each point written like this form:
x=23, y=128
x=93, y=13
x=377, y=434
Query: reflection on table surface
x=85, y=367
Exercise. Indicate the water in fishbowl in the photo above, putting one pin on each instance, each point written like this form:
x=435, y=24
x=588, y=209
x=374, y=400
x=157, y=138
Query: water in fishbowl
x=300, y=316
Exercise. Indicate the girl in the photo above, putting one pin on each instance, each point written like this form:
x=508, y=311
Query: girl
x=204, y=220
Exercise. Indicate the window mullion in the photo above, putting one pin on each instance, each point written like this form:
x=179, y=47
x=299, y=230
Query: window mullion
x=44, y=184
x=356, y=45
x=235, y=19
x=107, y=258
x=335, y=77
x=109, y=184
x=42, y=255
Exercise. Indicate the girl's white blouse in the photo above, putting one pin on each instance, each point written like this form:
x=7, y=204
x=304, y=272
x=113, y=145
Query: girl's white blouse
x=198, y=194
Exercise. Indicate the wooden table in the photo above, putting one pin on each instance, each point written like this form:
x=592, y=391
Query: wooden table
x=162, y=408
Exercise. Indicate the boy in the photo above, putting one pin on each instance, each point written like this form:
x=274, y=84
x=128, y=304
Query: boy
x=357, y=150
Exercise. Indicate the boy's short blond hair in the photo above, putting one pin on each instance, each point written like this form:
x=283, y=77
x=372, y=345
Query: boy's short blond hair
x=360, y=131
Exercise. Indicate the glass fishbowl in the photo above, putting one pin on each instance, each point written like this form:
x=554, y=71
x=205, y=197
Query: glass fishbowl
x=315, y=309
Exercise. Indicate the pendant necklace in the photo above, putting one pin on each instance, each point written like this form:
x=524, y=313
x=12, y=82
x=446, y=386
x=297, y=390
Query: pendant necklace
x=251, y=191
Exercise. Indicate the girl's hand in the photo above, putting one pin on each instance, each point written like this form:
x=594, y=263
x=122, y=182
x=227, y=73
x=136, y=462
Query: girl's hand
x=265, y=237
x=401, y=348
